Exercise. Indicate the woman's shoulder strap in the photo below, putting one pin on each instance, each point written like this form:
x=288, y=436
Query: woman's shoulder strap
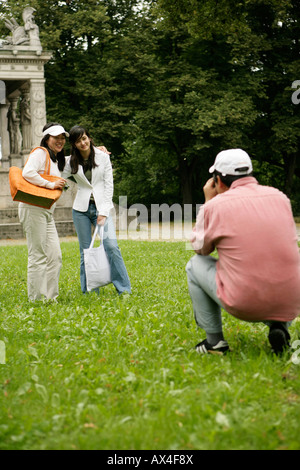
x=47, y=164
x=38, y=147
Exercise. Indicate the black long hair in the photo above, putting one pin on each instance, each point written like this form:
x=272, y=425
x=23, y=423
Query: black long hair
x=60, y=157
x=76, y=158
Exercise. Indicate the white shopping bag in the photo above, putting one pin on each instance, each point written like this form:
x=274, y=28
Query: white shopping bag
x=97, y=267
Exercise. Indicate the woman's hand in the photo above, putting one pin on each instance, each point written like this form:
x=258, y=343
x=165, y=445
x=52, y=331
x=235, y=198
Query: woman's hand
x=59, y=184
x=101, y=219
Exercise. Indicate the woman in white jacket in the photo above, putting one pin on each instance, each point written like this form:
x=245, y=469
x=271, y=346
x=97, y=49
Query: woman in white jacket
x=91, y=168
x=44, y=254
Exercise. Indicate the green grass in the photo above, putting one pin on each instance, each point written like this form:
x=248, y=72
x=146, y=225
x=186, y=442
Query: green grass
x=102, y=372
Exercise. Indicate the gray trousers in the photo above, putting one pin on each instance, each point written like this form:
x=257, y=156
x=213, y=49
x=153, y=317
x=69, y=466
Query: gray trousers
x=44, y=253
x=201, y=275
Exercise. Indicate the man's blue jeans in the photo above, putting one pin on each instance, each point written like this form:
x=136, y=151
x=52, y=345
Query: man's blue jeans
x=83, y=222
x=201, y=273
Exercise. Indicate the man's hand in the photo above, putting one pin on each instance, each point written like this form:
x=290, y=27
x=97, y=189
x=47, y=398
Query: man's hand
x=209, y=190
x=104, y=149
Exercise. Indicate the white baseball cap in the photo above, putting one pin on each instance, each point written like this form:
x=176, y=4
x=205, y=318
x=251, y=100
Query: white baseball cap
x=235, y=162
x=55, y=130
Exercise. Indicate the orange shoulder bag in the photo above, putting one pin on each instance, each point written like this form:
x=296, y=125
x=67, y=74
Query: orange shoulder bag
x=23, y=191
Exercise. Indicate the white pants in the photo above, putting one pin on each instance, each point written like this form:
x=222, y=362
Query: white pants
x=44, y=253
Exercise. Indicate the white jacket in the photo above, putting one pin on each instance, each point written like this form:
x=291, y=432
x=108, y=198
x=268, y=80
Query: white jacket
x=101, y=186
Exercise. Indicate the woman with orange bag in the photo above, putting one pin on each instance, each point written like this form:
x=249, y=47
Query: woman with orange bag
x=44, y=253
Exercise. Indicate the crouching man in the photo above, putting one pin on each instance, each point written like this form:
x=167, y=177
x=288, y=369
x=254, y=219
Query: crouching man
x=256, y=277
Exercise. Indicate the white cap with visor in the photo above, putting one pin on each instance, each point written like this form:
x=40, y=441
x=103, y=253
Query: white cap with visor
x=55, y=131
x=234, y=162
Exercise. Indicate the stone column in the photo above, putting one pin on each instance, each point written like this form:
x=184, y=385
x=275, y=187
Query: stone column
x=14, y=129
x=37, y=110
x=5, y=146
x=25, y=117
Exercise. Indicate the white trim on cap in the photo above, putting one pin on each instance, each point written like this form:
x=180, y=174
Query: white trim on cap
x=55, y=130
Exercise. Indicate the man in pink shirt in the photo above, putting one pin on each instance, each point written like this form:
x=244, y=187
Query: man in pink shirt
x=256, y=277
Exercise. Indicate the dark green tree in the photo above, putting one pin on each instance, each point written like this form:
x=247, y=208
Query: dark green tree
x=199, y=99
x=90, y=78
x=263, y=36
x=167, y=84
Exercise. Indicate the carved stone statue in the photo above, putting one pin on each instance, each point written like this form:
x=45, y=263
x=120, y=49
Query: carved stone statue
x=31, y=28
x=26, y=121
x=14, y=129
x=23, y=35
x=19, y=36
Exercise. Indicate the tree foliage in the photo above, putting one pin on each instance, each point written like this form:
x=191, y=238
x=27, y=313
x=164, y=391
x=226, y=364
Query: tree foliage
x=263, y=37
x=167, y=84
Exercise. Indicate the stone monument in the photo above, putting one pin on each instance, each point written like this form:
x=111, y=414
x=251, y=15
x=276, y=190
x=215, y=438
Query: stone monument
x=23, y=115
x=22, y=118
x=23, y=112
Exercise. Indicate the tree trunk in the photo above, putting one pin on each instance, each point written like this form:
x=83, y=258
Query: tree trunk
x=186, y=181
x=290, y=166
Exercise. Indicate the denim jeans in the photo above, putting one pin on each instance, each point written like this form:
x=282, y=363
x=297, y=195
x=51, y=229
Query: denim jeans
x=83, y=222
x=201, y=275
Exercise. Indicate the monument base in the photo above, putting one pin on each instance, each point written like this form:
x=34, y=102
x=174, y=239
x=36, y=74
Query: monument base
x=10, y=227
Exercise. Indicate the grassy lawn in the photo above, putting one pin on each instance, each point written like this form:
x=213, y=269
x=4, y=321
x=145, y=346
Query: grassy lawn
x=103, y=372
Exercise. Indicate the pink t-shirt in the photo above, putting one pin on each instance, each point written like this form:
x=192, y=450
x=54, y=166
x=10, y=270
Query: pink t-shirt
x=253, y=230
